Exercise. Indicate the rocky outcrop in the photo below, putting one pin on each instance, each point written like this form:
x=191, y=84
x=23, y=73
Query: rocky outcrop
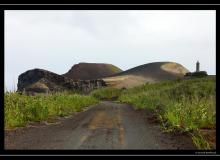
x=42, y=81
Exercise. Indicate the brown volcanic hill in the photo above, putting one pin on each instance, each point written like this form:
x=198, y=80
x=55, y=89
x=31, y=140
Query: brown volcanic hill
x=151, y=72
x=87, y=71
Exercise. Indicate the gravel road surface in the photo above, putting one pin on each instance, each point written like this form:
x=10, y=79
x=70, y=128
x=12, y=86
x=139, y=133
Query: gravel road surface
x=108, y=125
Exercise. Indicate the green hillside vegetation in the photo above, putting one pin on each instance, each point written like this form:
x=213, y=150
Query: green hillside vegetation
x=106, y=93
x=187, y=106
x=20, y=109
x=113, y=68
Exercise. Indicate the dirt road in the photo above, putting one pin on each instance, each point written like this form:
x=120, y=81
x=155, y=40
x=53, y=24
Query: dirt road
x=107, y=125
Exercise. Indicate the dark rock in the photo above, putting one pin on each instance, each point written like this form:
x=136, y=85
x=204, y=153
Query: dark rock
x=197, y=74
x=42, y=81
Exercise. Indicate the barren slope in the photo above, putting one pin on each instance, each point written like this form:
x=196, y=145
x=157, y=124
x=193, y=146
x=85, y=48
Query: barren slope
x=151, y=72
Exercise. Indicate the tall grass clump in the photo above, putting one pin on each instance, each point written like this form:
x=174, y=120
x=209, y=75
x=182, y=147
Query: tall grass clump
x=106, y=93
x=19, y=109
x=181, y=105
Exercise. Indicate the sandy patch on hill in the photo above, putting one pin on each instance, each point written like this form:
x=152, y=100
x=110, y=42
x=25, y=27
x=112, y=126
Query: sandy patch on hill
x=127, y=81
x=174, y=68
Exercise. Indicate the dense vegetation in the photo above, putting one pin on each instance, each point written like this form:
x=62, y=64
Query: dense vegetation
x=187, y=106
x=20, y=109
x=106, y=93
x=181, y=106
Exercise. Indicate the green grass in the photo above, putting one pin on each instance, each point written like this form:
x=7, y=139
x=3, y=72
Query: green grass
x=181, y=105
x=21, y=109
x=200, y=142
x=186, y=106
x=114, y=69
x=106, y=93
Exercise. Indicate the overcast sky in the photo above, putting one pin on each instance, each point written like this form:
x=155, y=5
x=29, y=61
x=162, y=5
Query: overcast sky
x=56, y=40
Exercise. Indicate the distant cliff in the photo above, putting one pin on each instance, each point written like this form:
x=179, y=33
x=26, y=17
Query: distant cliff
x=43, y=81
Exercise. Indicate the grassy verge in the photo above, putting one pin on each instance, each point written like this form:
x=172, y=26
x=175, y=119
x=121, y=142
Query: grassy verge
x=21, y=109
x=187, y=106
x=181, y=106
